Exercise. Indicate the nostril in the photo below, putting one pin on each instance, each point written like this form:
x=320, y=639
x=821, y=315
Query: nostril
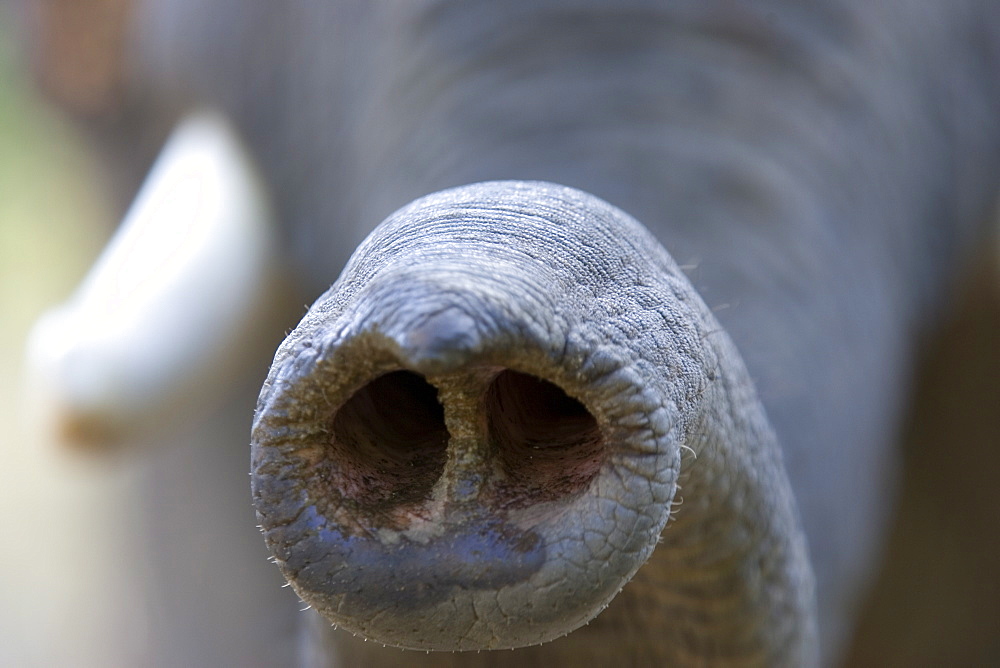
x=389, y=441
x=547, y=443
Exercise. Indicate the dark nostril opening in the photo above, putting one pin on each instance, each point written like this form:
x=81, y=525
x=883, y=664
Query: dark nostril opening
x=547, y=443
x=389, y=441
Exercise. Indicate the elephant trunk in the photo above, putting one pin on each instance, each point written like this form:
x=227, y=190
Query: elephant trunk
x=474, y=439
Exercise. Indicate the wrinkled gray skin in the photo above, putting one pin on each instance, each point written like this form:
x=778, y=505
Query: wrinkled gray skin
x=514, y=516
x=818, y=168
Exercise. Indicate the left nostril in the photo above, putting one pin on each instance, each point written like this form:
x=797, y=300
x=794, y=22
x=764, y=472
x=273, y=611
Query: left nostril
x=389, y=441
x=548, y=445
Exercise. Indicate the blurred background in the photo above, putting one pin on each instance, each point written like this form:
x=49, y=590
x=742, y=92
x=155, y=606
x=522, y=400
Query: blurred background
x=67, y=569
x=92, y=575
x=136, y=557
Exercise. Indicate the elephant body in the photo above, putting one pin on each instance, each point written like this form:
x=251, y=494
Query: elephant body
x=819, y=171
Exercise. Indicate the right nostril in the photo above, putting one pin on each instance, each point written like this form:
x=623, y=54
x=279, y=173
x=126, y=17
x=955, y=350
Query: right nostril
x=548, y=445
x=389, y=442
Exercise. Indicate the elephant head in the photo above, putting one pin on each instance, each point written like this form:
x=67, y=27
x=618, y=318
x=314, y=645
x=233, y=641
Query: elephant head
x=512, y=394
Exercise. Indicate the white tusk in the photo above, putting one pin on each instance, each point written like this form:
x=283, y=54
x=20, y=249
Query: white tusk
x=157, y=326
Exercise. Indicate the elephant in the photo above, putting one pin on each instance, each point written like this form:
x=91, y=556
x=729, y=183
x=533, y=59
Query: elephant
x=514, y=393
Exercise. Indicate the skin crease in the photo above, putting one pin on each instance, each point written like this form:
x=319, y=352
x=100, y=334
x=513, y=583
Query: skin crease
x=803, y=160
